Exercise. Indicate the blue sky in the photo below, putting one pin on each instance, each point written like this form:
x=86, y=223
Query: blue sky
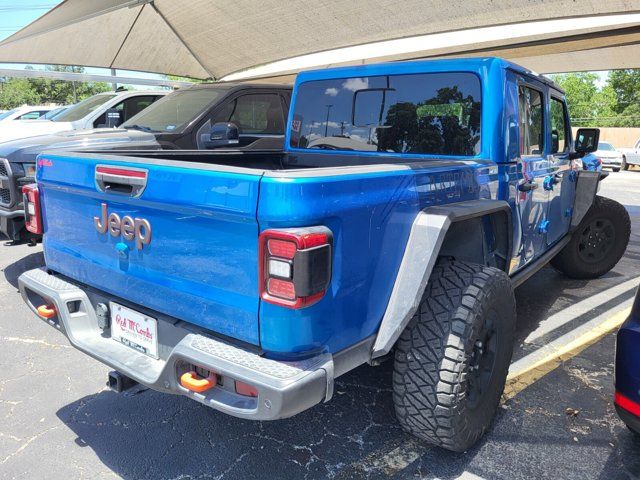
x=15, y=15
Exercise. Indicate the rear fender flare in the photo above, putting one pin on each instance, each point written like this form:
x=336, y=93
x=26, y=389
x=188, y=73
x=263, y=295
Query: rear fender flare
x=586, y=190
x=423, y=247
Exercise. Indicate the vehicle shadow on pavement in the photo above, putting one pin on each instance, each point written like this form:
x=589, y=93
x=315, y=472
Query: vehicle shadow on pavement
x=158, y=436
x=31, y=261
x=625, y=454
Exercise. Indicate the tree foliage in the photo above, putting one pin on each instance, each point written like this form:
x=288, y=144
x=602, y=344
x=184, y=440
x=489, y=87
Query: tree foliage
x=626, y=85
x=614, y=104
x=15, y=92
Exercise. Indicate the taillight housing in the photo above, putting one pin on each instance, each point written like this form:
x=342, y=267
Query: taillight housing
x=295, y=265
x=32, y=213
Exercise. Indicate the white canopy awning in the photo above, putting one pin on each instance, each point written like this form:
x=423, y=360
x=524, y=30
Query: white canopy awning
x=243, y=38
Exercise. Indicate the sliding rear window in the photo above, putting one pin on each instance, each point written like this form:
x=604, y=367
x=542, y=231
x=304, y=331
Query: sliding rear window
x=431, y=114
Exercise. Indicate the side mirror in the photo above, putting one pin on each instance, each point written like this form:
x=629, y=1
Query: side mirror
x=587, y=140
x=113, y=118
x=223, y=134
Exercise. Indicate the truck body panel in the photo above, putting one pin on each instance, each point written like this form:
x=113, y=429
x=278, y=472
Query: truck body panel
x=370, y=224
x=200, y=265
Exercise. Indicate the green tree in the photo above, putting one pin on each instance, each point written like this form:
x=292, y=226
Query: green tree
x=630, y=117
x=604, y=103
x=17, y=91
x=626, y=84
x=580, y=89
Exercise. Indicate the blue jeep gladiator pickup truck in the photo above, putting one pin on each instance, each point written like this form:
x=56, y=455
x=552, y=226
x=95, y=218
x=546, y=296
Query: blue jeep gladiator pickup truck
x=411, y=198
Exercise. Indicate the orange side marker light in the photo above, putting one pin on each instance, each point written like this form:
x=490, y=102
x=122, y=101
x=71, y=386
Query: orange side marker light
x=46, y=311
x=191, y=381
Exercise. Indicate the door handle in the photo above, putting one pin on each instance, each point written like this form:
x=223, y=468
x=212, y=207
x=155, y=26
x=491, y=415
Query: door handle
x=527, y=186
x=128, y=181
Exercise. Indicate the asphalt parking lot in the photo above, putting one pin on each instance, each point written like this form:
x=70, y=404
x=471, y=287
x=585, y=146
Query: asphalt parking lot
x=58, y=420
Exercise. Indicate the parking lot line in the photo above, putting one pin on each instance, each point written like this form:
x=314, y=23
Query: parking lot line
x=536, y=365
x=566, y=315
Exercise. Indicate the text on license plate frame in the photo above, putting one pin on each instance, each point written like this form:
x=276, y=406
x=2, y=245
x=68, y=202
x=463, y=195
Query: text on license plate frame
x=134, y=329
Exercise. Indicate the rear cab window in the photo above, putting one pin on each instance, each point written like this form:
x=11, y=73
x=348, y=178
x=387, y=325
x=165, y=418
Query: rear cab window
x=256, y=113
x=427, y=114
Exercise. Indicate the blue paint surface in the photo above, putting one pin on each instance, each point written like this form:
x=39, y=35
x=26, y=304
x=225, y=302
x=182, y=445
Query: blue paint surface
x=628, y=355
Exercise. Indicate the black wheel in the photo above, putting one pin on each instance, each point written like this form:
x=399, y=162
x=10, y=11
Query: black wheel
x=635, y=432
x=451, y=362
x=624, y=164
x=598, y=243
x=615, y=169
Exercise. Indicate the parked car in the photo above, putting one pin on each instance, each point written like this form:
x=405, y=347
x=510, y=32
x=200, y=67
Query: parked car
x=109, y=109
x=609, y=156
x=627, y=397
x=630, y=156
x=250, y=281
x=26, y=112
x=181, y=120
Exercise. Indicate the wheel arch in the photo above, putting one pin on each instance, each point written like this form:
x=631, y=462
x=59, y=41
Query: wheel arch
x=444, y=230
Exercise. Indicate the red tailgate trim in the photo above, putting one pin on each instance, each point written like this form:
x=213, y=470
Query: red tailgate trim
x=123, y=172
x=628, y=404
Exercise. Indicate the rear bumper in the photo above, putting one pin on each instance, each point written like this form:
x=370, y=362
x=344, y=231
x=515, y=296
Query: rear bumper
x=612, y=162
x=11, y=223
x=284, y=388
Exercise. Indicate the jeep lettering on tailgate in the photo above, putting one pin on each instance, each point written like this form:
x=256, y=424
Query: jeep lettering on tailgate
x=130, y=228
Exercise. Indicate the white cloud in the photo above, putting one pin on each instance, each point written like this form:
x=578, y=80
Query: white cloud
x=332, y=92
x=354, y=84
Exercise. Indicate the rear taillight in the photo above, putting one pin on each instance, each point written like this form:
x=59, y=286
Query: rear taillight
x=295, y=265
x=32, y=214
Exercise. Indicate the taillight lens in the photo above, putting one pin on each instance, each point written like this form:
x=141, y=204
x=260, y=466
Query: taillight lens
x=32, y=213
x=295, y=265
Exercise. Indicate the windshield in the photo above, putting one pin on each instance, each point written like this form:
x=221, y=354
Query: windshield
x=605, y=146
x=175, y=111
x=83, y=108
x=52, y=113
x=7, y=113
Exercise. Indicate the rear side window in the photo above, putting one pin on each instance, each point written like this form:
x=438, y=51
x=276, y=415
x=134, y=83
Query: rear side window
x=254, y=114
x=531, y=121
x=433, y=114
x=559, y=133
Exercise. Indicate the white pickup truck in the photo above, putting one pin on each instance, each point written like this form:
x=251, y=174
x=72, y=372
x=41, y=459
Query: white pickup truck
x=109, y=109
x=630, y=156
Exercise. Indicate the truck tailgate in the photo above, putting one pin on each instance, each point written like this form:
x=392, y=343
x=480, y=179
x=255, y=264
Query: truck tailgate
x=199, y=262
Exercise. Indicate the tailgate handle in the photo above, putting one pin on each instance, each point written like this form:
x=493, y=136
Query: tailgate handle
x=128, y=181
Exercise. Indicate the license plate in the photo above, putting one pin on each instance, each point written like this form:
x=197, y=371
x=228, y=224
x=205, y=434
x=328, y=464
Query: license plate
x=134, y=329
